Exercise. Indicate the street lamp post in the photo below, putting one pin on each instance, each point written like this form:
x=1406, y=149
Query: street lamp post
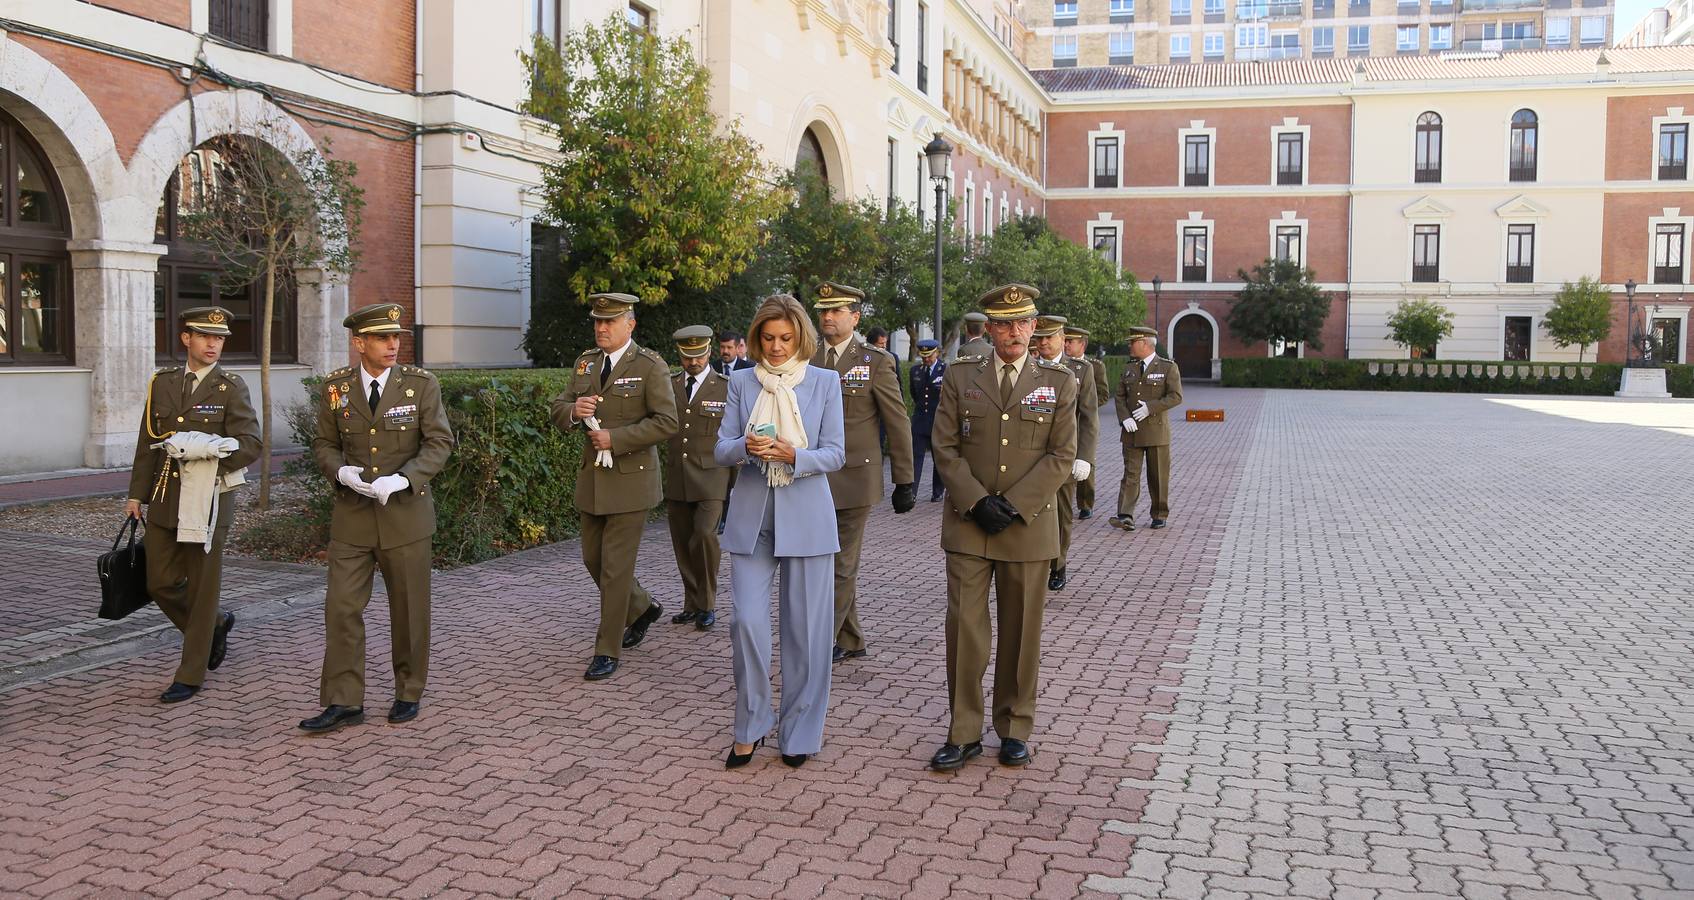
x=939, y=155
x=1157, y=283
x=1629, y=323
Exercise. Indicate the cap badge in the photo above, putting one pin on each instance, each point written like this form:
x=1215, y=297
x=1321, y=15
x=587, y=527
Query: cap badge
x=826, y=291
x=394, y=314
x=215, y=317
x=1014, y=296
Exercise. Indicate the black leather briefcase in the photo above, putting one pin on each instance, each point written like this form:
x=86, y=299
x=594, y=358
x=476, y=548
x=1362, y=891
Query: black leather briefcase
x=123, y=574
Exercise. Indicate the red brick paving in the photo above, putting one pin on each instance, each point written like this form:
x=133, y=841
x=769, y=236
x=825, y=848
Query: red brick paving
x=521, y=778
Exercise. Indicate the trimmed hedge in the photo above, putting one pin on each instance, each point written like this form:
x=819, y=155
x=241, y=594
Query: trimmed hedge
x=511, y=481
x=1441, y=375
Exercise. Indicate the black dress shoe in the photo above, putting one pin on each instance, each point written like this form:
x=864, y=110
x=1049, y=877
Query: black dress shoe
x=1085, y=512
x=684, y=617
x=1158, y=523
x=935, y=498
x=1057, y=580
x=795, y=760
x=178, y=692
x=706, y=620
x=601, y=667
x=736, y=760
x=220, y=641
x=403, y=711
x=838, y=654
x=1124, y=522
x=334, y=717
x=634, y=634
x=1014, y=752
x=952, y=756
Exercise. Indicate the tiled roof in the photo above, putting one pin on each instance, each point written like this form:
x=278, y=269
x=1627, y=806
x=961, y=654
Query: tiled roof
x=1377, y=70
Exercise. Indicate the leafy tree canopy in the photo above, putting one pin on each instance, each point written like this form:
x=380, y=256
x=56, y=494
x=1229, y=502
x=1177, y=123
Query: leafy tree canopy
x=1279, y=302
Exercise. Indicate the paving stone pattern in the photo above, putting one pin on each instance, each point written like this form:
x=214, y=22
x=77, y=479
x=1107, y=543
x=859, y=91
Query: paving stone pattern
x=521, y=778
x=1447, y=653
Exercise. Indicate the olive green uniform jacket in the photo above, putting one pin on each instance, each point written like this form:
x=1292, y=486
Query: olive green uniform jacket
x=638, y=407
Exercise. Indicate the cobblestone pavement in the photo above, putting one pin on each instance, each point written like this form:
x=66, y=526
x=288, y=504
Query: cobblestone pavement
x=1446, y=653
x=1391, y=642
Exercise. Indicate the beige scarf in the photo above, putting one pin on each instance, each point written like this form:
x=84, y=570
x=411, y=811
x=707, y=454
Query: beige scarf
x=778, y=406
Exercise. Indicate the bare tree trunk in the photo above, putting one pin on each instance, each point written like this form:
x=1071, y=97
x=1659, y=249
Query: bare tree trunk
x=265, y=384
x=911, y=341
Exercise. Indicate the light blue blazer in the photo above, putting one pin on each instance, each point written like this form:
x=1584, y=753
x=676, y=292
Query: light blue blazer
x=805, y=511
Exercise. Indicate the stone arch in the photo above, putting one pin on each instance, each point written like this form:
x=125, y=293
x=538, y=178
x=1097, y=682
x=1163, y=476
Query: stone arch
x=78, y=144
x=813, y=115
x=1217, y=336
x=323, y=297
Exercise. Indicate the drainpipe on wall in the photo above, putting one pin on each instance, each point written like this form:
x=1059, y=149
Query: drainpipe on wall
x=1352, y=162
x=417, y=189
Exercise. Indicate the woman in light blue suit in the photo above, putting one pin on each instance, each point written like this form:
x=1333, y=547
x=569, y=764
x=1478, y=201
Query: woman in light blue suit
x=782, y=426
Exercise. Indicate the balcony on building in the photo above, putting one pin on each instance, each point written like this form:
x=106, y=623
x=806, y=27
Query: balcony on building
x=1286, y=10
x=1284, y=51
x=1251, y=12
x=1499, y=45
x=1492, y=6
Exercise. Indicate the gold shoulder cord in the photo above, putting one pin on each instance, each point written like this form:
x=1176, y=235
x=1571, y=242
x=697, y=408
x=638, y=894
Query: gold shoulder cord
x=160, y=484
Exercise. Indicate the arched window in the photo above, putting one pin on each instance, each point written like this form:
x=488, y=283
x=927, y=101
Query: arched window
x=189, y=276
x=35, y=266
x=811, y=154
x=1525, y=134
x=1427, y=167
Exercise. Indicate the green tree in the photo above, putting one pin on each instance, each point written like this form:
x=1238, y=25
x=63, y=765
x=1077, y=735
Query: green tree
x=1279, y=302
x=1419, y=325
x=1075, y=281
x=1581, y=314
x=816, y=237
x=652, y=193
x=901, y=288
x=264, y=213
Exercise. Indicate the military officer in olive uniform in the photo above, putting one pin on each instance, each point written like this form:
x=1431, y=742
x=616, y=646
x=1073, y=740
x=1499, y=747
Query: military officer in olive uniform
x=382, y=436
x=622, y=395
x=871, y=404
x=926, y=377
x=1049, y=344
x=185, y=577
x=1076, y=347
x=1005, y=437
x=696, y=487
x=974, y=342
x=1151, y=386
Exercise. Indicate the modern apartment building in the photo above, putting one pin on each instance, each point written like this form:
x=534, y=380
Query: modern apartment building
x=1663, y=26
x=1086, y=33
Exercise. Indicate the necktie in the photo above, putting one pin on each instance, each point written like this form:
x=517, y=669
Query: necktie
x=831, y=358
x=688, y=389
x=376, y=395
x=189, y=383
x=1008, y=374
x=605, y=371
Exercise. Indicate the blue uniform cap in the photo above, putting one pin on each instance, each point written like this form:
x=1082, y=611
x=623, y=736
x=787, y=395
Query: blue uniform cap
x=929, y=344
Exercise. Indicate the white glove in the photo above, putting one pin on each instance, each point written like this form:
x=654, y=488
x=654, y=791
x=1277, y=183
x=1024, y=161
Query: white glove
x=1141, y=411
x=1080, y=469
x=386, y=485
x=1130, y=426
x=349, y=475
x=602, y=458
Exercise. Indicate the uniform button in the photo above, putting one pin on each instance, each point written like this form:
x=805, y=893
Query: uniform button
x=642, y=468
x=685, y=440
x=373, y=450
x=1002, y=468
x=685, y=424
x=1040, y=418
x=1003, y=442
x=867, y=459
x=179, y=418
x=684, y=456
x=373, y=431
x=1005, y=416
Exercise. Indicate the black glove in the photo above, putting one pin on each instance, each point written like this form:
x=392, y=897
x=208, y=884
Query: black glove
x=905, y=497
x=993, y=514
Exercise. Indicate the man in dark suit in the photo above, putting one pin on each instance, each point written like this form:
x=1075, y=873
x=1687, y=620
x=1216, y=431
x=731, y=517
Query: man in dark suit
x=732, y=353
x=926, y=392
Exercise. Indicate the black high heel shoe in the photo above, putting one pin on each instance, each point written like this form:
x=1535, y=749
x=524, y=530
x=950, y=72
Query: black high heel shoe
x=737, y=760
x=795, y=760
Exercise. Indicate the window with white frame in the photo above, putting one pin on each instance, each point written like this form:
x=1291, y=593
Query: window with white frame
x=1251, y=39
x=1406, y=37
x=1182, y=7
x=1196, y=160
x=1122, y=10
x=1323, y=39
x=1106, y=150
x=1284, y=44
x=1593, y=29
x=1005, y=209
x=1064, y=12
x=638, y=17
x=1214, y=7
x=1670, y=240
x=1291, y=157
x=1426, y=253
x=1104, y=240
x=1122, y=47
x=970, y=209
x=1213, y=45
x=1673, y=151
x=1182, y=48
x=1520, y=254
x=1558, y=31
x=1358, y=38
x=1196, y=252
x=987, y=212
x=1440, y=37
x=1064, y=49
x=1288, y=240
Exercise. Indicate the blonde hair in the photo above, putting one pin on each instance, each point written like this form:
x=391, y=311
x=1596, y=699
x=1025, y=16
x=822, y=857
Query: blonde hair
x=782, y=306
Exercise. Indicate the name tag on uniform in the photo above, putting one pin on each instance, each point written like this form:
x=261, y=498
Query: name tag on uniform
x=858, y=374
x=406, y=410
x=206, y=409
